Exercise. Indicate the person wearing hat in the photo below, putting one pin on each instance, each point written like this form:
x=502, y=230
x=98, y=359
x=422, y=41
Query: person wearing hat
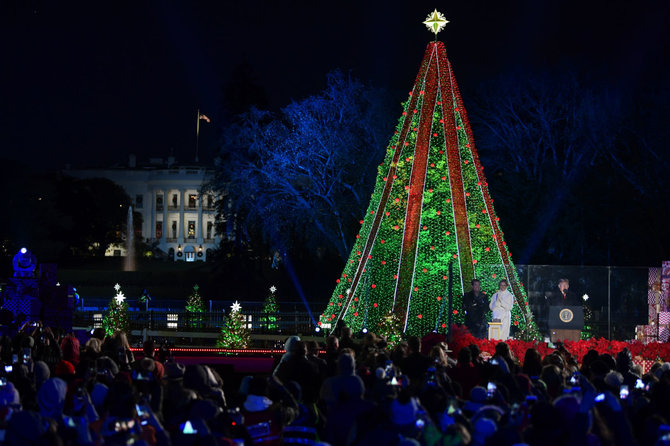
x=263, y=417
x=176, y=397
x=301, y=370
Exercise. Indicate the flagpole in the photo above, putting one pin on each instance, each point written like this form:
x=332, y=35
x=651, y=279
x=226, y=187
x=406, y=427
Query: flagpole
x=197, y=133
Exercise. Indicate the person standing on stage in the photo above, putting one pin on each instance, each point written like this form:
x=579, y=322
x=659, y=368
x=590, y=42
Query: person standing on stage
x=474, y=308
x=501, y=306
x=561, y=296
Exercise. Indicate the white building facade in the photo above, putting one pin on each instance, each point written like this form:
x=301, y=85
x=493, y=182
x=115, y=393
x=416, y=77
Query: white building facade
x=176, y=217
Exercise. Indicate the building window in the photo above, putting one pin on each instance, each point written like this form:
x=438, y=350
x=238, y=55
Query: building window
x=191, y=229
x=192, y=201
x=139, y=201
x=159, y=202
x=210, y=226
x=172, y=320
x=210, y=202
x=175, y=200
x=159, y=229
x=174, y=229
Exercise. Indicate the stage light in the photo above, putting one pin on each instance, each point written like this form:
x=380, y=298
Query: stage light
x=23, y=250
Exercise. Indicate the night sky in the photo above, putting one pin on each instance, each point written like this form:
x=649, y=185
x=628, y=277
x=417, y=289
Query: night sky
x=89, y=83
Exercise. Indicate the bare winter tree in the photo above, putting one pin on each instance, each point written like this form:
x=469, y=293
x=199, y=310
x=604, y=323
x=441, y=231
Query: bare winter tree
x=306, y=173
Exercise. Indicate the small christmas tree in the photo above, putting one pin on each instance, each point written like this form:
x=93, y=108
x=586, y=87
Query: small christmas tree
x=234, y=333
x=588, y=331
x=195, y=306
x=270, y=311
x=390, y=328
x=116, y=318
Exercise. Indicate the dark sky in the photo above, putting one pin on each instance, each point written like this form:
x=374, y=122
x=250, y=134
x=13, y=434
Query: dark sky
x=89, y=83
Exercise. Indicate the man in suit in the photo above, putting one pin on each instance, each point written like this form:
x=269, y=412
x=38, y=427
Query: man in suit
x=561, y=296
x=475, y=306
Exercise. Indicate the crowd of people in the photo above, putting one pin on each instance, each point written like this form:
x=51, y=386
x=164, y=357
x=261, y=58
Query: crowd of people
x=58, y=391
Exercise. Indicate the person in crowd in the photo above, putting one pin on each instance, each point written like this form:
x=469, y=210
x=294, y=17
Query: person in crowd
x=301, y=370
x=347, y=340
x=546, y=400
x=475, y=303
x=346, y=385
x=416, y=363
x=313, y=357
x=501, y=305
x=70, y=348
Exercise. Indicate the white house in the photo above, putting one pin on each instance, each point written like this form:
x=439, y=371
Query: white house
x=167, y=194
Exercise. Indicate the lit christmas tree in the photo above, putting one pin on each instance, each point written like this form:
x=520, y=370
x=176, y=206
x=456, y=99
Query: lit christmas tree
x=234, y=333
x=116, y=317
x=195, y=306
x=390, y=328
x=587, y=331
x=270, y=312
x=430, y=207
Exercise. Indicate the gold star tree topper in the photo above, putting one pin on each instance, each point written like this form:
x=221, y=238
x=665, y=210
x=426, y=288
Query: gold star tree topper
x=435, y=21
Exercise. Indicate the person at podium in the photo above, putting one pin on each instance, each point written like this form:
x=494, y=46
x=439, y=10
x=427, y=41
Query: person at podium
x=501, y=306
x=562, y=297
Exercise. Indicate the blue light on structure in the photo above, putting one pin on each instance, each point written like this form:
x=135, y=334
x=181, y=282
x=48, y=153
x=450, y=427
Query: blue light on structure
x=317, y=329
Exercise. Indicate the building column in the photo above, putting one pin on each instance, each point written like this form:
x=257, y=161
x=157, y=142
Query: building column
x=166, y=225
x=200, y=231
x=152, y=209
x=182, y=220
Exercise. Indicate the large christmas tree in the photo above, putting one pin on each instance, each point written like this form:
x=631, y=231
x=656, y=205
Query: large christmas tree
x=430, y=207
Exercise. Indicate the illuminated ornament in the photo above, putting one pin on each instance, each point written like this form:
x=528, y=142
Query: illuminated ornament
x=119, y=297
x=117, y=287
x=273, y=289
x=435, y=22
x=235, y=307
x=585, y=297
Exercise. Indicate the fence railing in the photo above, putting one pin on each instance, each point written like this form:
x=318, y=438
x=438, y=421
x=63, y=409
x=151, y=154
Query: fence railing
x=285, y=322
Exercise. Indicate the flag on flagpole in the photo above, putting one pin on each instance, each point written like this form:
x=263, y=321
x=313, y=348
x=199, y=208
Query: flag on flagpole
x=203, y=117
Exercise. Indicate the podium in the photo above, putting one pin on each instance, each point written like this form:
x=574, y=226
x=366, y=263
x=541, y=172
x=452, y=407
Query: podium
x=495, y=330
x=565, y=322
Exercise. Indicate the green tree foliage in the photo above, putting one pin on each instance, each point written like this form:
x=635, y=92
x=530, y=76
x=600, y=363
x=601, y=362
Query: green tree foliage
x=195, y=306
x=116, y=317
x=270, y=314
x=390, y=328
x=234, y=333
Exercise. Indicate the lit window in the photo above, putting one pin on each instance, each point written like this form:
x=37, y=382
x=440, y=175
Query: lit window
x=172, y=320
